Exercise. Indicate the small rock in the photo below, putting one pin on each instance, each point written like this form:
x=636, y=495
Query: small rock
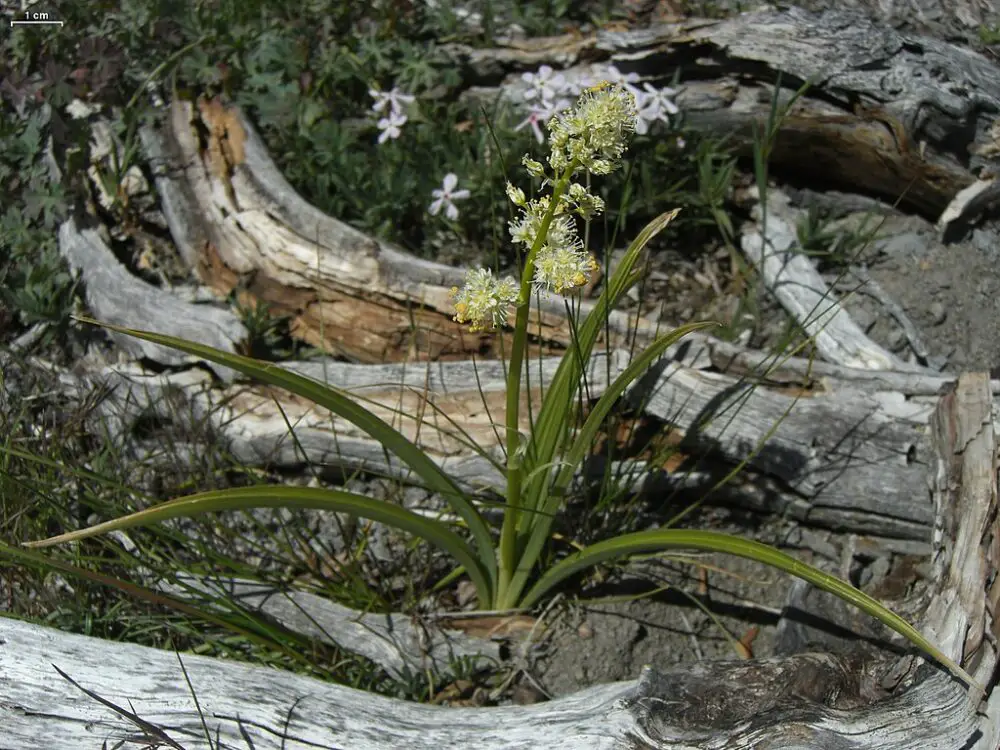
x=525, y=695
x=938, y=313
x=896, y=340
x=864, y=317
x=585, y=631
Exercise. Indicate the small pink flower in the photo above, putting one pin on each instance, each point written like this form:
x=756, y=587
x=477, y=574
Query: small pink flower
x=539, y=114
x=445, y=197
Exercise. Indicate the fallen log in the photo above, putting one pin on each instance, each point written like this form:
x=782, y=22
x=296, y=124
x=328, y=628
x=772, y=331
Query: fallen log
x=877, y=700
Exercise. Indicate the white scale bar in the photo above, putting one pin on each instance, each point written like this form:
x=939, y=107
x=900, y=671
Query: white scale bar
x=36, y=23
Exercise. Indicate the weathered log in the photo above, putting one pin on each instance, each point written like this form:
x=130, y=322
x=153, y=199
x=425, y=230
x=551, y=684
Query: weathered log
x=846, y=458
x=807, y=700
x=116, y=296
x=871, y=120
x=401, y=645
x=772, y=247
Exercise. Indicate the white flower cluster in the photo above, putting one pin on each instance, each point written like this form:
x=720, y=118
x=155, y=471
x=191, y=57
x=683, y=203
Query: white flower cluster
x=589, y=138
x=547, y=92
x=484, y=301
x=393, y=121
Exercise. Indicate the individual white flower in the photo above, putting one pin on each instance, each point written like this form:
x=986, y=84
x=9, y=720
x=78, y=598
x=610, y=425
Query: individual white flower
x=390, y=126
x=524, y=230
x=544, y=85
x=583, y=202
x=394, y=99
x=516, y=195
x=483, y=301
x=445, y=197
x=534, y=168
x=655, y=104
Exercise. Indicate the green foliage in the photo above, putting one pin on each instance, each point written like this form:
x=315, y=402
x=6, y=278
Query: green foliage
x=33, y=279
x=989, y=34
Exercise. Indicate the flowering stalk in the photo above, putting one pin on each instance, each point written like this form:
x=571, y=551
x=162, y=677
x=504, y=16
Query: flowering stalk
x=508, y=532
x=590, y=138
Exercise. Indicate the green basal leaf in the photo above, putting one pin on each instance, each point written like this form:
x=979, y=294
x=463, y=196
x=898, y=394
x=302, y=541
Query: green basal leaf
x=550, y=503
x=340, y=403
x=713, y=541
x=247, y=498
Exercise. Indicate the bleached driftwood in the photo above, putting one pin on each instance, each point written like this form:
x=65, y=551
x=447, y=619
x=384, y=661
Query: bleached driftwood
x=772, y=247
x=846, y=458
x=116, y=296
x=808, y=700
x=403, y=646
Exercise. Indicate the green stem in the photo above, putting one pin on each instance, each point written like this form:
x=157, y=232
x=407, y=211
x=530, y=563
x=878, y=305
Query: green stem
x=508, y=532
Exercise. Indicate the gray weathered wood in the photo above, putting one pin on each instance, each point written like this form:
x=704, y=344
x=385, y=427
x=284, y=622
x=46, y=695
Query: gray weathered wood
x=772, y=246
x=116, y=296
x=808, y=700
x=403, y=646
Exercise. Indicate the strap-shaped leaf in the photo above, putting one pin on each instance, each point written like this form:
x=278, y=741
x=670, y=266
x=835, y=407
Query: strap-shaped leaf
x=713, y=541
x=246, y=498
x=340, y=403
x=551, y=502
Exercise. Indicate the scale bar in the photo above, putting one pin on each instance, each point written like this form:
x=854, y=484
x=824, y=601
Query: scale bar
x=36, y=23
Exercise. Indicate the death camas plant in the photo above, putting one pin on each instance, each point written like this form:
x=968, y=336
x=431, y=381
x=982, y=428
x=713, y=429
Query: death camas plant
x=586, y=142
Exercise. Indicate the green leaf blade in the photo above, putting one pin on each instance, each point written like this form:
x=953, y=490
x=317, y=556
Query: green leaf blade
x=713, y=541
x=584, y=439
x=340, y=403
x=247, y=498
